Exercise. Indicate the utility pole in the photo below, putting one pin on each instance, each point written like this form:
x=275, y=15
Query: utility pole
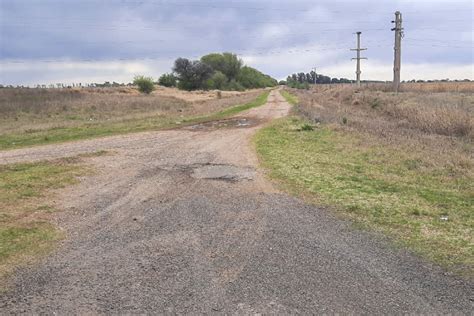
x=358, y=58
x=398, y=50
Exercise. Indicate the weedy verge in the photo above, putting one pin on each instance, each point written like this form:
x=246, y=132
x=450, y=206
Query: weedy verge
x=26, y=191
x=396, y=185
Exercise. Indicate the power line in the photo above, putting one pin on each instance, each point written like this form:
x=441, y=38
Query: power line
x=192, y=27
x=239, y=52
x=195, y=4
x=436, y=45
x=131, y=28
x=437, y=40
x=259, y=20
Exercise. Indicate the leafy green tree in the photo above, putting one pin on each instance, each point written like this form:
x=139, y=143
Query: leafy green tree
x=301, y=77
x=219, y=71
x=192, y=75
x=145, y=84
x=313, y=75
x=167, y=80
x=323, y=79
x=252, y=78
x=217, y=81
x=227, y=63
x=234, y=85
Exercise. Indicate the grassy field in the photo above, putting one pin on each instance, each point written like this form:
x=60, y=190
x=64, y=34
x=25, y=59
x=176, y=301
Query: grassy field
x=404, y=175
x=25, y=194
x=36, y=116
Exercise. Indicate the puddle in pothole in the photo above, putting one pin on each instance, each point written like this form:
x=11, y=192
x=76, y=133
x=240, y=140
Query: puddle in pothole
x=223, y=172
x=227, y=123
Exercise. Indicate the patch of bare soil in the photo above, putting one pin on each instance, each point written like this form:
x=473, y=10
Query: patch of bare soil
x=196, y=96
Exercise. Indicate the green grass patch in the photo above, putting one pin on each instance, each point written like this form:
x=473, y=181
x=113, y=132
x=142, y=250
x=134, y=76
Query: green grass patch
x=92, y=130
x=89, y=130
x=259, y=101
x=290, y=98
x=427, y=208
x=25, y=192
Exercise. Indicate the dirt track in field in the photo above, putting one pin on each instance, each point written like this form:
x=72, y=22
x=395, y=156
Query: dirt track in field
x=183, y=221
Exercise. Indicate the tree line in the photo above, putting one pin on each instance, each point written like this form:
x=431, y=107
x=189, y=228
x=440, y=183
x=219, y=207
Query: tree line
x=302, y=80
x=215, y=71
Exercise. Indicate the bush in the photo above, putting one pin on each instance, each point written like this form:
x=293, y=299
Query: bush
x=298, y=85
x=218, y=81
x=167, y=80
x=234, y=86
x=306, y=127
x=251, y=78
x=145, y=84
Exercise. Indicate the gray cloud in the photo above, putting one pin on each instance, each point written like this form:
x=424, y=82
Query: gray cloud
x=56, y=41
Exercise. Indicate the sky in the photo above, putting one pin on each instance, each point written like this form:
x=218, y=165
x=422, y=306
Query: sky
x=85, y=41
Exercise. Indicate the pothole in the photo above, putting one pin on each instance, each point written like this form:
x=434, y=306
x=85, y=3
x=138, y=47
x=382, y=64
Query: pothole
x=223, y=172
x=211, y=171
x=227, y=123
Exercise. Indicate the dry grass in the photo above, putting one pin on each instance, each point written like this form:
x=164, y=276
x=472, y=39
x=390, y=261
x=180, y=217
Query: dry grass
x=30, y=110
x=465, y=87
x=439, y=122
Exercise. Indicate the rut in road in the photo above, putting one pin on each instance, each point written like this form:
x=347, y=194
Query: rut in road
x=183, y=221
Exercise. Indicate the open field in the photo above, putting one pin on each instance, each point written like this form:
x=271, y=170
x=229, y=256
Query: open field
x=41, y=116
x=401, y=164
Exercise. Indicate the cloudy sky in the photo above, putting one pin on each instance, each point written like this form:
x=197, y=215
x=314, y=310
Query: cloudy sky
x=52, y=41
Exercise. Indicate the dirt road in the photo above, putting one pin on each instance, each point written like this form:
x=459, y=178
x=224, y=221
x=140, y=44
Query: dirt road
x=182, y=221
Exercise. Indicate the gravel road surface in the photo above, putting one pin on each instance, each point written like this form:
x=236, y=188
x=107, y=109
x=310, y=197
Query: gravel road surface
x=182, y=221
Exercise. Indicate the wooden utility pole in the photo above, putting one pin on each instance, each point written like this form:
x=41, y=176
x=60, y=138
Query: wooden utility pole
x=398, y=50
x=358, y=58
